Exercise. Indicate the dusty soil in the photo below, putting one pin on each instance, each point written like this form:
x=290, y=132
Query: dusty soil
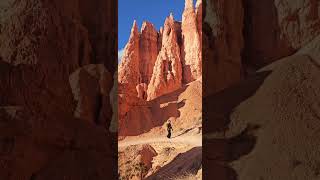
x=172, y=155
x=266, y=127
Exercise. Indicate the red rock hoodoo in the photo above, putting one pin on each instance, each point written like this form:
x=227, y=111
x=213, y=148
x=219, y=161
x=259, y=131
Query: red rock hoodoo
x=156, y=63
x=191, y=49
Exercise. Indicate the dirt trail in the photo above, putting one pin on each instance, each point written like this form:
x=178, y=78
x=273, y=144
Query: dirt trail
x=195, y=140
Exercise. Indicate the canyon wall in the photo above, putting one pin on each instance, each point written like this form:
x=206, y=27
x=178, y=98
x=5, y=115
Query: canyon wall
x=222, y=44
x=260, y=112
x=157, y=63
x=56, y=64
x=240, y=37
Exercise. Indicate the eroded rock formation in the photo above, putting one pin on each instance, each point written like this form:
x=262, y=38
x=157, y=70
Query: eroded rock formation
x=91, y=85
x=129, y=71
x=167, y=72
x=261, y=114
x=291, y=25
x=42, y=44
x=148, y=51
x=191, y=49
x=156, y=63
x=135, y=161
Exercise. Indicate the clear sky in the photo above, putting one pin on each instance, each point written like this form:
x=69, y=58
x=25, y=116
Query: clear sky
x=154, y=11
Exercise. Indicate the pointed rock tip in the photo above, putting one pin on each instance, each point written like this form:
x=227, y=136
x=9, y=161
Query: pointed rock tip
x=134, y=24
x=161, y=30
x=147, y=24
x=188, y=4
x=134, y=27
x=171, y=15
x=198, y=3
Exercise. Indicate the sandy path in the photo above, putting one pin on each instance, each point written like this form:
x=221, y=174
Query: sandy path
x=195, y=141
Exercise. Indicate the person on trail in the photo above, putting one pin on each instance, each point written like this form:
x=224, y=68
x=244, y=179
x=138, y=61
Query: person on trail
x=169, y=129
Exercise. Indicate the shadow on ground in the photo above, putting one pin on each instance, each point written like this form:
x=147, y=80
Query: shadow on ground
x=185, y=163
x=162, y=113
x=219, y=152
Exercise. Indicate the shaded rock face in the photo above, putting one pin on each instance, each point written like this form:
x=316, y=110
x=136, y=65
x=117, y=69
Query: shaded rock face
x=91, y=86
x=291, y=25
x=59, y=148
x=45, y=45
x=147, y=153
x=269, y=115
x=98, y=26
x=42, y=44
x=28, y=26
x=237, y=41
x=265, y=42
x=299, y=21
x=114, y=104
x=222, y=44
x=142, y=90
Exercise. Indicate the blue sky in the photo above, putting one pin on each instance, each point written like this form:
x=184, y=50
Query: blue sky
x=154, y=11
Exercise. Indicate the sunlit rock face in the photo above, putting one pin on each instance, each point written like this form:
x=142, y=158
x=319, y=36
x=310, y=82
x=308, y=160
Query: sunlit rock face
x=156, y=63
x=167, y=72
x=191, y=49
x=148, y=51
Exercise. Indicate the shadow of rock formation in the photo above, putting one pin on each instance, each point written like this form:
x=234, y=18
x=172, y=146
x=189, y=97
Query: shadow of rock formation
x=218, y=152
x=188, y=162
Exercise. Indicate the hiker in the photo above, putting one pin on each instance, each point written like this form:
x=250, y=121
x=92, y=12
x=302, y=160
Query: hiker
x=169, y=129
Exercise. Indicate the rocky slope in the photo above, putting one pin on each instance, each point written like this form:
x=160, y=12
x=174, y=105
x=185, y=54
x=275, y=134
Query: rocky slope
x=263, y=122
x=288, y=122
x=273, y=117
x=156, y=157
